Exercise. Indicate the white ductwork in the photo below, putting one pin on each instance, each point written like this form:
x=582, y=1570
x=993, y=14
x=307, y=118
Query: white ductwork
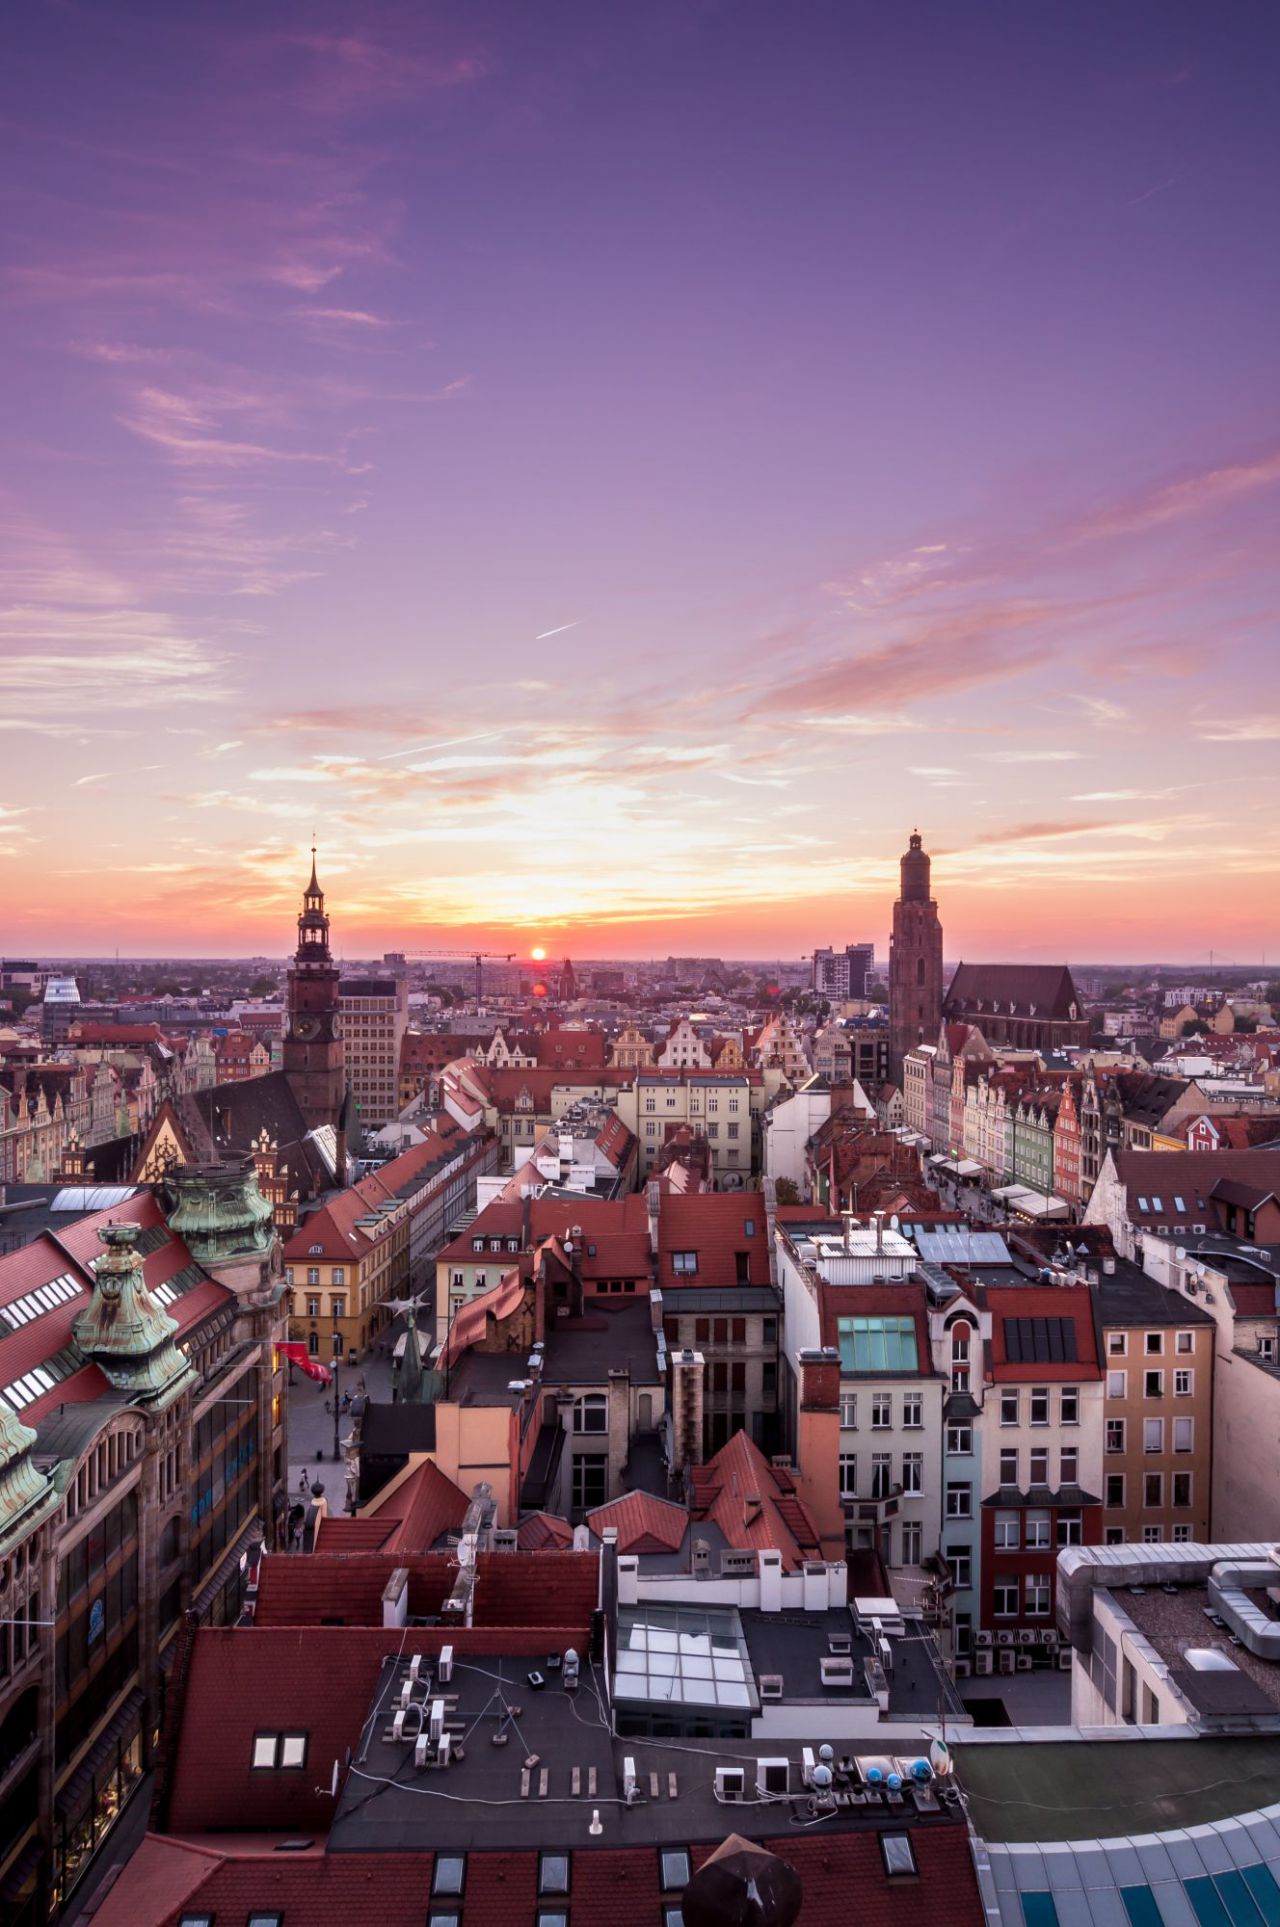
x=1229, y=1588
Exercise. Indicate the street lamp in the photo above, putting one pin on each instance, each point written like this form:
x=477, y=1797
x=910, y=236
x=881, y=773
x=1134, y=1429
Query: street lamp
x=336, y=1402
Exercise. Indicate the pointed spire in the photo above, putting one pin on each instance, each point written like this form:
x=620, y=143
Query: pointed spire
x=313, y=888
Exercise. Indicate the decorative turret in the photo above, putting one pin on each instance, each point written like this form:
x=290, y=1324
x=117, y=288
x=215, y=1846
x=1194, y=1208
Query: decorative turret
x=219, y=1213
x=26, y=1493
x=124, y=1331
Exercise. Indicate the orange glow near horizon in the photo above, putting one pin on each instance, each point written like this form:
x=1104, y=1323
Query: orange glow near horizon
x=538, y=953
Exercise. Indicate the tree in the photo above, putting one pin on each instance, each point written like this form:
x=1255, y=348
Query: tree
x=1245, y=1026
x=877, y=994
x=263, y=987
x=787, y=1191
x=1195, y=1027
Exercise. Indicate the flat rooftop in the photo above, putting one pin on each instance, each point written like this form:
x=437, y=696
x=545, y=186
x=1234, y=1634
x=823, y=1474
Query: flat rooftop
x=1085, y=1789
x=536, y=1759
x=1175, y=1621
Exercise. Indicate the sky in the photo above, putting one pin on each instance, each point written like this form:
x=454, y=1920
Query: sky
x=610, y=472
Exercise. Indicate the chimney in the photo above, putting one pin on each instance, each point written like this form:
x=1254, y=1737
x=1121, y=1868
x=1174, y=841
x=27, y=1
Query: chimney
x=655, y=1310
x=688, y=1376
x=818, y=1445
x=769, y=1566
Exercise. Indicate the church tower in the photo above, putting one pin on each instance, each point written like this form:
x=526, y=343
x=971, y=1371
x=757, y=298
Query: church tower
x=915, y=961
x=314, y=1058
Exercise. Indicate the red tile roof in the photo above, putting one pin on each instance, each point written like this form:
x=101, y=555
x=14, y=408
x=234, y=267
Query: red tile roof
x=543, y=1532
x=755, y=1504
x=469, y=1324
x=609, y=1883
x=513, y=1590
x=714, y=1224
x=1034, y=1304
x=643, y=1523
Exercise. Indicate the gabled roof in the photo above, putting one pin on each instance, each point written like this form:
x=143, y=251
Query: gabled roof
x=1154, y=1181
x=755, y=1504
x=1042, y=991
x=643, y=1522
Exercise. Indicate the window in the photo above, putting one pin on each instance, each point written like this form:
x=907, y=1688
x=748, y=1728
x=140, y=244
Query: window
x=1009, y=1465
x=1185, y=1343
x=1153, y=1384
x=881, y=1475
x=733, y=1132
x=960, y=1501
x=338, y=1275
x=1152, y=1535
x=1154, y=1343
x=277, y=1750
x=1117, y=1384
x=848, y=1475
x=1117, y=1344
x=1183, y=1384
x=1037, y=1596
x=1068, y=1465
x=591, y=1413
x=1008, y=1537
x=849, y=1411
x=1036, y=1531
x=913, y=1472
x=1069, y=1411
x=1115, y=1435
x=912, y=1542
x=1153, y=1488
x=449, y=1874
x=898, y=1853
x=913, y=1410
x=339, y=1308
x=1008, y=1408
x=1040, y=1405
x=1039, y=1474
x=881, y=1412
x=259, y=1919
x=673, y=1865
x=1183, y=1434
x=313, y=1274
x=1181, y=1534
x=313, y=1308
x=960, y=1560
x=553, y=1873
x=1153, y=1435
x=684, y=1263
x=1182, y=1488
x=959, y=1440
x=1005, y=1597
x=195, y=1920
x=1115, y=1489
x=1070, y=1529
x=590, y=1481
x=673, y=1917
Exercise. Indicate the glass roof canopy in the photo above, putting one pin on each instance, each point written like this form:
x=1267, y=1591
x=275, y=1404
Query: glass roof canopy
x=684, y=1655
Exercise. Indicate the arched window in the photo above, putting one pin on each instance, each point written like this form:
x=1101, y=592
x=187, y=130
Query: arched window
x=920, y=970
x=591, y=1413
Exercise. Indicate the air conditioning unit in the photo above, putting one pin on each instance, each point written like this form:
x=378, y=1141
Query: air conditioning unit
x=1004, y=1639
x=1008, y=1660
x=983, y=1663
x=731, y=1783
x=1051, y=1640
x=984, y=1639
x=1025, y=1662
x=771, y=1686
x=1026, y=1637
x=1064, y=1659
x=962, y=1669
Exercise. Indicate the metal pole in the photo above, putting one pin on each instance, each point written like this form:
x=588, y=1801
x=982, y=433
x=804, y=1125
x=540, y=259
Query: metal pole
x=336, y=1370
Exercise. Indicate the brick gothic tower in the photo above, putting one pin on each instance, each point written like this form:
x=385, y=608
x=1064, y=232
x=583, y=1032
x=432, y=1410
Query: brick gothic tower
x=915, y=962
x=314, y=1058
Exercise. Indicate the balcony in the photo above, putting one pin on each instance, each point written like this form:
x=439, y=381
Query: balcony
x=872, y=1511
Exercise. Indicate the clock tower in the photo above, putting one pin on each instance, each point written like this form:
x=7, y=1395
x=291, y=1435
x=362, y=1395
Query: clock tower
x=915, y=961
x=314, y=1058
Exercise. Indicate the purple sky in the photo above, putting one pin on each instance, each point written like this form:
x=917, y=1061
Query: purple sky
x=614, y=468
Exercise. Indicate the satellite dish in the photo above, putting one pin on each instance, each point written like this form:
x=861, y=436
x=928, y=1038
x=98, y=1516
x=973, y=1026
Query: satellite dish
x=893, y=1222
x=940, y=1758
x=1180, y=1252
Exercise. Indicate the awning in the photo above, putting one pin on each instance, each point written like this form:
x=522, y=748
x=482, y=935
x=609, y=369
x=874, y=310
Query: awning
x=1012, y=1191
x=1033, y=1205
x=969, y=1168
x=301, y=1357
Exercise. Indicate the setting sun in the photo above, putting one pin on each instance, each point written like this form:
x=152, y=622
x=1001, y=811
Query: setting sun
x=538, y=954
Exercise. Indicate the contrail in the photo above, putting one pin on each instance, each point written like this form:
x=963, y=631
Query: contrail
x=557, y=632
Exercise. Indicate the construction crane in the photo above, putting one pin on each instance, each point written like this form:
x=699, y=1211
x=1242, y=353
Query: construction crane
x=478, y=957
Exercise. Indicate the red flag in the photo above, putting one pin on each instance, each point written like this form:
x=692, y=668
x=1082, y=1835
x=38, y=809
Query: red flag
x=301, y=1357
